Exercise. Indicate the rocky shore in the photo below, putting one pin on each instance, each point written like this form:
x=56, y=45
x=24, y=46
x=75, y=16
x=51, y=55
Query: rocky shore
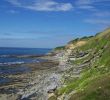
x=43, y=79
x=30, y=85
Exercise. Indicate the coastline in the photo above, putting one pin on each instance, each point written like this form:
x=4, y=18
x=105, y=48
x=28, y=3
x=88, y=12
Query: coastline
x=63, y=72
x=26, y=85
x=44, y=79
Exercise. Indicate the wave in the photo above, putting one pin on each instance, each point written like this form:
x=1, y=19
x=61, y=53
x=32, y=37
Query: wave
x=3, y=56
x=19, y=62
x=20, y=56
x=12, y=63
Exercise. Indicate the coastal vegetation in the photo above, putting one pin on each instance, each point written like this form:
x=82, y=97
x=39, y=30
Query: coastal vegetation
x=60, y=48
x=94, y=80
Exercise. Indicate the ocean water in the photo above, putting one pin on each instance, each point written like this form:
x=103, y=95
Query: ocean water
x=23, y=51
x=9, y=57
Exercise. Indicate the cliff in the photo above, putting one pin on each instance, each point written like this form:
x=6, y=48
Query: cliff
x=85, y=69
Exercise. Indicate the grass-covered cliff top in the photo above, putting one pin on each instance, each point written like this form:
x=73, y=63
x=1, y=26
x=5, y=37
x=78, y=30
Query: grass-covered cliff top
x=60, y=48
x=94, y=83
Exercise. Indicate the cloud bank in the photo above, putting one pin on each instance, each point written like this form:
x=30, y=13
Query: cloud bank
x=42, y=5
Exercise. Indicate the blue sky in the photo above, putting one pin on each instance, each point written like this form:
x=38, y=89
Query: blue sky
x=50, y=23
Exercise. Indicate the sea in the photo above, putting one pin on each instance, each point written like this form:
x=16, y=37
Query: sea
x=13, y=56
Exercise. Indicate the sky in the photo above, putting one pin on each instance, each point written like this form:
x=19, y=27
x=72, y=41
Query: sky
x=50, y=23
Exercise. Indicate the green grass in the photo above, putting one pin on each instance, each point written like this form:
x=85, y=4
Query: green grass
x=60, y=48
x=94, y=83
x=97, y=89
x=86, y=77
x=52, y=98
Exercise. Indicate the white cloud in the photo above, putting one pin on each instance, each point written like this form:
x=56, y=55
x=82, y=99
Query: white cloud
x=102, y=14
x=14, y=2
x=83, y=2
x=90, y=4
x=86, y=7
x=42, y=5
x=98, y=21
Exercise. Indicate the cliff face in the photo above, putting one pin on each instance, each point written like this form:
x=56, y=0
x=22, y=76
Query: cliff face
x=85, y=69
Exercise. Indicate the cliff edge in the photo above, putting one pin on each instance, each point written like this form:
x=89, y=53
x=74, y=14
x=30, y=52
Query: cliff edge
x=85, y=69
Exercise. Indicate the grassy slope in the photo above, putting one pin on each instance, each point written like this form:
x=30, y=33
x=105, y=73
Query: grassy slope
x=94, y=82
x=60, y=48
